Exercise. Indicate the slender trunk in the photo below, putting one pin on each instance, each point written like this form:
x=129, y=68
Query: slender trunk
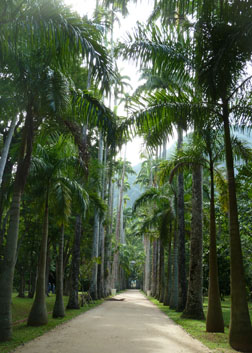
x=108, y=269
x=240, y=333
x=174, y=282
x=214, y=321
x=102, y=230
x=169, y=276
x=161, y=274
x=38, y=315
x=147, y=264
x=181, y=235
x=3, y=233
x=154, y=269
x=6, y=148
x=194, y=304
x=95, y=254
x=115, y=271
x=96, y=235
x=73, y=302
x=102, y=281
x=158, y=270
x=8, y=263
x=48, y=262
x=58, y=309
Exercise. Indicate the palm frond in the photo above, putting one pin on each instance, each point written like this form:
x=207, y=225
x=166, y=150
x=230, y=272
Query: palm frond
x=150, y=195
x=61, y=34
x=149, y=44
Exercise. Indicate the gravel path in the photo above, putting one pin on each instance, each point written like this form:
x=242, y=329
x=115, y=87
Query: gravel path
x=131, y=325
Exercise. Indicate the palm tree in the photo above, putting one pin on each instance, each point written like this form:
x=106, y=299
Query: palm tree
x=211, y=142
x=77, y=37
x=49, y=166
x=219, y=83
x=73, y=301
x=160, y=218
x=6, y=147
x=224, y=65
x=96, y=233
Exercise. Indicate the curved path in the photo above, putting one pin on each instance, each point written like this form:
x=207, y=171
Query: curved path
x=132, y=325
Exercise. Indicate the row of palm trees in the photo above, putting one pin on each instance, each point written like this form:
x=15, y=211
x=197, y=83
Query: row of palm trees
x=195, y=65
x=198, y=61
x=43, y=46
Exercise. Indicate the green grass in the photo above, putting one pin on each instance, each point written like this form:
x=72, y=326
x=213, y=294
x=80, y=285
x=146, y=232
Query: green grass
x=23, y=333
x=218, y=342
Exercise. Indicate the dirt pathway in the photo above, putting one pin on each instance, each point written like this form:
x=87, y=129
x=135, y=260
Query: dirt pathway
x=133, y=325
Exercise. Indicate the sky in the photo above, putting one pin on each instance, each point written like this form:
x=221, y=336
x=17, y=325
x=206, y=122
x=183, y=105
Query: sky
x=137, y=12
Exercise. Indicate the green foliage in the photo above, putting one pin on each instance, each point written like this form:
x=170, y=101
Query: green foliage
x=132, y=257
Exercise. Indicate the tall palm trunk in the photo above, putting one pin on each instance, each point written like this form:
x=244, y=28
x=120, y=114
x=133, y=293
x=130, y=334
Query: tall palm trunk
x=58, y=309
x=6, y=148
x=95, y=253
x=102, y=228
x=158, y=270
x=154, y=268
x=147, y=263
x=181, y=235
x=38, y=315
x=240, y=333
x=73, y=302
x=214, y=321
x=7, y=265
x=194, y=304
x=96, y=235
x=161, y=274
x=174, y=282
x=167, y=294
x=115, y=271
x=108, y=245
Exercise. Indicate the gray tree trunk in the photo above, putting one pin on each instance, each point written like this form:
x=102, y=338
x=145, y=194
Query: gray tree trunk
x=181, y=235
x=161, y=274
x=108, y=249
x=194, y=304
x=95, y=254
x=38, y=315
x=154, y=269
x=5, y=151
x=59, y=309
x=214, y=320
x=147, y=264
x=174, y=282
x=168, y=283
x=115, y=271
x=158, y=270
x=73, y=301
x=8, y=263
x=96, y=234
x=102, y=230
x=240, y=333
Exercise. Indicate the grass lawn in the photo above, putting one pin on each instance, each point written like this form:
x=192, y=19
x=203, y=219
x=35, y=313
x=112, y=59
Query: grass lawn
x=23, y=333
x=218, y=342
